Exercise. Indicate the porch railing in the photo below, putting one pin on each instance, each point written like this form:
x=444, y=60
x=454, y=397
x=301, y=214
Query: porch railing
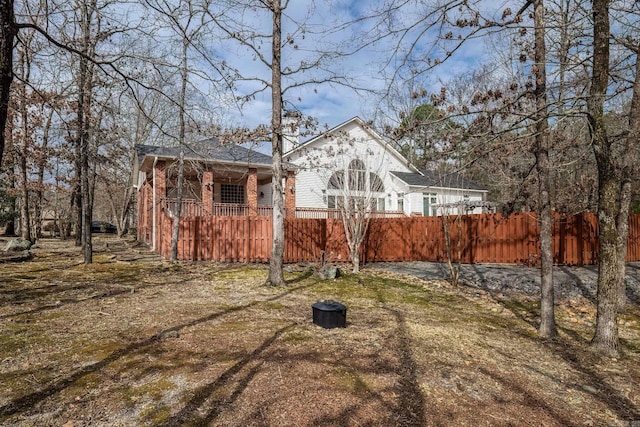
x=320, y=213
x=239, y=209
x=192, y=207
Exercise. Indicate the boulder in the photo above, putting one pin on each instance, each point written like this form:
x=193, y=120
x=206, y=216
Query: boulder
x=14, y=256
x=328, y=272
x=18, y=245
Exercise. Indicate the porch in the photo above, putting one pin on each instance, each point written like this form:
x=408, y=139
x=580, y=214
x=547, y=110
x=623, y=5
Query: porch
x=195, y=208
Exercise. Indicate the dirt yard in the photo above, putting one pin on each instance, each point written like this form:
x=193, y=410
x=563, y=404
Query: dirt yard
x=134, y=340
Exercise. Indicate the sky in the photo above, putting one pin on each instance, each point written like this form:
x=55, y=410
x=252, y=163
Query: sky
x=368, y=69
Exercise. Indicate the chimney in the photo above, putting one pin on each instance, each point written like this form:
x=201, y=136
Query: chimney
x=290, y=131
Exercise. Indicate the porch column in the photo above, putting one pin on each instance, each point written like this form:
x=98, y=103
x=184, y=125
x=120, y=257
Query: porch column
x=252, y=191
x=290, y=194
x=207, y=191
x=142, y=215
x=145, y=227
x=159, y=193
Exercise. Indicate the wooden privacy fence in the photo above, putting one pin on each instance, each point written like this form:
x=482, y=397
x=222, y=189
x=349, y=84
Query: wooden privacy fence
x=486, y=238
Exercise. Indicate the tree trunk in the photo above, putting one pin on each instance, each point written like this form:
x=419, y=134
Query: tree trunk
x=175, y=234
x=41, y=170
x=10, y=230
x=87, y=211
x=606, y=339
x=25, y=223
x=355, y=221
x=623, y=236
x=76, y=200
x=446, y=230
x=24, y=65
x=181, y=140
x=355, y=259
x=633, y=139
x=7, y=34
x=547, y=304
x=121, y=214
x=85, y=82
x=276, y=274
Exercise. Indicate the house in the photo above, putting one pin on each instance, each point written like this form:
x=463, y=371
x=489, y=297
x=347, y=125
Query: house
x=353, y=162
x=350, y=163
x=220, y=179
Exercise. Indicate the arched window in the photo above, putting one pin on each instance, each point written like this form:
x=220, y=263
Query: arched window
x=358, y=179
x=375, y=183
x=357, y=175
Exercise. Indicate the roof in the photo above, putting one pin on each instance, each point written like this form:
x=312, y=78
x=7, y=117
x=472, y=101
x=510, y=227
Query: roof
x=431, y=178
x=208, y=150
x=358, y=121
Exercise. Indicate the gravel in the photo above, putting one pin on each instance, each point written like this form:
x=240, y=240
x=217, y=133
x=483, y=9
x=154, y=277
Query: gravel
x=515, y=280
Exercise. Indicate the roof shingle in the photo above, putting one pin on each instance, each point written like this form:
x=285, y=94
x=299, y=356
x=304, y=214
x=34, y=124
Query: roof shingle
x=208, y=150
x=434, y=179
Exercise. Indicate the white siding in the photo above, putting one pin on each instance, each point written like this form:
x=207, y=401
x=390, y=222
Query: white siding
x=443, y=196
x=319, y=159
x=415, y=203
x=309, y=186
x=267, y=199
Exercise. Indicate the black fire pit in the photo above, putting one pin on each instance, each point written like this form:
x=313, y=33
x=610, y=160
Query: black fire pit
x=329, y=314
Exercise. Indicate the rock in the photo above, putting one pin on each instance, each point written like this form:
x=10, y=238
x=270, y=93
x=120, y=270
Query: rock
x=169, y=334
x=14, y=256
x=328, y=272
x=589, y=389
x=17, y=245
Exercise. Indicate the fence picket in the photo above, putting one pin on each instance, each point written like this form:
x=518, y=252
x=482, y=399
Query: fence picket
x=488, y=238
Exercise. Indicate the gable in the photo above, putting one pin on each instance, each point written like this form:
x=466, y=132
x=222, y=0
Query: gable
x=341, y=144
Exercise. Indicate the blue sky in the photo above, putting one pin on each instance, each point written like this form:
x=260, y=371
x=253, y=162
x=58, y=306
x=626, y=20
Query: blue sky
x=330, y=104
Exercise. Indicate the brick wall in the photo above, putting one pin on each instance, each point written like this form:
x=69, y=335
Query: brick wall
x=252, y=191
x=207, y=191
x=160, y=192
x=290, y=194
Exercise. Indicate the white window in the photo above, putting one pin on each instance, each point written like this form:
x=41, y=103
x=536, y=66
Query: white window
x=401, y=201
x=429, y=201
x=356, y=180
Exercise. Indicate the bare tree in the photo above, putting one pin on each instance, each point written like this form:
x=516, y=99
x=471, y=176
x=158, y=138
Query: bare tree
x=355, y=189
x=189, y=21
x=89, y=17
x=295, y=60
x=613, y=183
x=502, y=113
x=547, y=326
x=276, y=276
x=25, y=132
x=8, y=31
x=350, y=166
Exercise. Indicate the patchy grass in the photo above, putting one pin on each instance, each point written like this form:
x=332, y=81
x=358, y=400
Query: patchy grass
x=134, y=340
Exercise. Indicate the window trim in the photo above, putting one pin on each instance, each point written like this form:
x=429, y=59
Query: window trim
x=233, y=194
